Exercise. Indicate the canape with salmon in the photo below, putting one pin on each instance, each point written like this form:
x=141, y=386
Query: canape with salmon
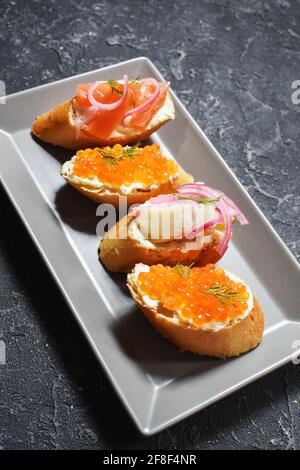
x=107, y=112
x=139, y=173
x=193, y=225
x=208, y=311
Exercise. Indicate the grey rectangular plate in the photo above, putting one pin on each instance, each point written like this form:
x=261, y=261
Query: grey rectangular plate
x=158, y=384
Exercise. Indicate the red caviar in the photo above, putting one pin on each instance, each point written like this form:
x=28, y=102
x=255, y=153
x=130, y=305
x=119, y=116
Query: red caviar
x=145, y=165
x=187, y=290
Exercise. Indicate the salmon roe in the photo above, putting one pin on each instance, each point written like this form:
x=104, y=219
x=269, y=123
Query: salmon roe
x=146, y=165
x=185, y=289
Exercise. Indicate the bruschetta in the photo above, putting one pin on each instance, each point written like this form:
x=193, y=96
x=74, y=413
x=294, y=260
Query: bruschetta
x=139, y=173
x=194, y=225
x=107, y=112
x=207, y=311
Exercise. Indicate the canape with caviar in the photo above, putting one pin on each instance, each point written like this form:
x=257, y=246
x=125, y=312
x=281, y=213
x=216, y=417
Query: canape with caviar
x=207, y=311
x=105, y=174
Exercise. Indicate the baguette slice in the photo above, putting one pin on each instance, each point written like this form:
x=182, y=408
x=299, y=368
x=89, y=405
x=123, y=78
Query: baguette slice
x=107, y=195
x=232, y=340
x=58, y=127
x=119, y=253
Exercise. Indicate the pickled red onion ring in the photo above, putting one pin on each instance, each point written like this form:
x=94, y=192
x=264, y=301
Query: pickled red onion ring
x=161, y=199
x=107, y=106
x=143, y=106
x=195, y=187
x=227, y=221
x=226, y=210
x=211, y=223
x=237, y=212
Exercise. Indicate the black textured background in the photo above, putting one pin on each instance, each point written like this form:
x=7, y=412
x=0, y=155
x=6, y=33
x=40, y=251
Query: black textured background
x=232, y=63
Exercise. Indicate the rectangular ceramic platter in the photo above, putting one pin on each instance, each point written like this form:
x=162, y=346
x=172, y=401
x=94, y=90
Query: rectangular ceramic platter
x=158, y=384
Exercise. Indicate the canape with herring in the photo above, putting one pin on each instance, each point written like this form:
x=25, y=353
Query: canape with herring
x=193, y=225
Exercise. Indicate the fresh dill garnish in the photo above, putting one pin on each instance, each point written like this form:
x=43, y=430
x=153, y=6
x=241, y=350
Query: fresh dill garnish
x=134, y=80
x=112, y=160
x=130, y=152
x=108, y=158
x=114, y=87
x=183, y=271
x=224, y=294
x=200, y=200
x=114, y=84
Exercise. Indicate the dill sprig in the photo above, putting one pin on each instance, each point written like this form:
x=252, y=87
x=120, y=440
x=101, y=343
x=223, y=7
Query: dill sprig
x=224, y=294
x=134, y=80
x=183, y=271
x=112, y=160
x=108, y=158
x=200, y=200
x=130, y=152
x=114, y=87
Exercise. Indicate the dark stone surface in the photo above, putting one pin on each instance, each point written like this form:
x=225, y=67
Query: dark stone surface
x=232, y=63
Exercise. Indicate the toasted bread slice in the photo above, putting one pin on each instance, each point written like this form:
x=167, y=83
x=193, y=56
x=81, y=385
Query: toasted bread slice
x=234, y=339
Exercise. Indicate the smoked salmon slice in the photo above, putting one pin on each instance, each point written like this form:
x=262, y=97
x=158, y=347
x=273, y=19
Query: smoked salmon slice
x=103, y=122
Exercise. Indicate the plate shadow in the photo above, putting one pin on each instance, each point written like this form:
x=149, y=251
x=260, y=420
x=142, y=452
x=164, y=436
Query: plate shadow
x=154, y=354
